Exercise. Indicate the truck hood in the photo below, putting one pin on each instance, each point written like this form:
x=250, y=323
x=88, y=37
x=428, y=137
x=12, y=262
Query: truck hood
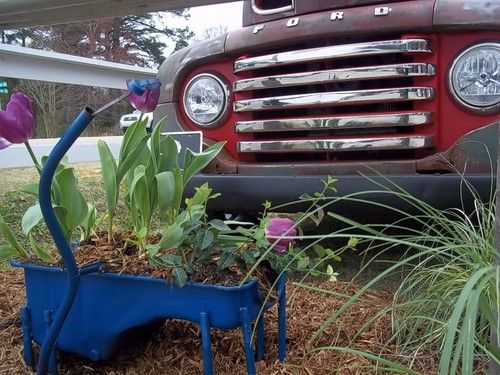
x=304, y=7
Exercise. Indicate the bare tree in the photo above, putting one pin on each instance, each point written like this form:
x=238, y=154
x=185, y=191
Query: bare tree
x=48, y=99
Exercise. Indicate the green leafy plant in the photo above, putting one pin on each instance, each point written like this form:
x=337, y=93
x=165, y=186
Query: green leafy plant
x=312, y=258
x=113, y=172
x=192, y=242
x=154, y=180
x=70, y=207
x=69, y=204
x=89, y=225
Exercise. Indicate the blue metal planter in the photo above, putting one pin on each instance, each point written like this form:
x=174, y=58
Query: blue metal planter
x=87, y=312
x=109, y=305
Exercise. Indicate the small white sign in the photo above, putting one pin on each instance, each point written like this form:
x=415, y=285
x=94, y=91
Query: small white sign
x=184, y=140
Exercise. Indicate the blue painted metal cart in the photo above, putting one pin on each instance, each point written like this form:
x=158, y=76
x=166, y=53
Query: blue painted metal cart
x=87, y=312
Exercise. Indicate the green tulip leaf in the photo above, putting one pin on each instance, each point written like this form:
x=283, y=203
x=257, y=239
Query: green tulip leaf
x=130, y=158
x=169, y=155
x=31, y=218
x=6, y=232
x=165, y=187
x=108, y=170
x=179, y=189
x=39, y=251
x=155, y=147
x=133, y=134
x=8, y=252
x=134, y=140
x=64, y=161
x=140, y=199
x=180, y=276
x=196, y=162
x=71, y=199
x=172, y=237
x=30, y=188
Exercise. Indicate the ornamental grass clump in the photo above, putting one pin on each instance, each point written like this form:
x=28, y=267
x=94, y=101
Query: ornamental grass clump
x=447, y=305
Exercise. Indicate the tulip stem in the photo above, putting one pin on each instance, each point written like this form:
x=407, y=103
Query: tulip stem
x=33, y=157
x=110, y=230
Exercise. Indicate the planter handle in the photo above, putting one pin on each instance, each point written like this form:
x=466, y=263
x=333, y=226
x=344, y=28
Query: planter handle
x=64, y=248
x=45, y=198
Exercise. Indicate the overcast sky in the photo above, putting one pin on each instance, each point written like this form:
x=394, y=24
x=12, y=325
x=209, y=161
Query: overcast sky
x=205, y=17
x=228, y=14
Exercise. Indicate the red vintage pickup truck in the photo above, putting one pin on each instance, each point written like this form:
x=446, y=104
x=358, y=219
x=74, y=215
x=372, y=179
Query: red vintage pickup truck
x=307, y=89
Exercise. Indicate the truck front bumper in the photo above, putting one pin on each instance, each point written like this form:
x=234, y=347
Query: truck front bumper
x=243, y=193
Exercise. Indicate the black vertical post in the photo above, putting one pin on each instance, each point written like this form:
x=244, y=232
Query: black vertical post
x=494, y=366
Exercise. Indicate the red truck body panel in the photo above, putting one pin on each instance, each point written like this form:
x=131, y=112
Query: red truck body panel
x=278, y=126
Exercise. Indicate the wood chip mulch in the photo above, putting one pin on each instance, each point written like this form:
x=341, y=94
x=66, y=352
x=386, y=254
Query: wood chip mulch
x=175, y=349
x=120, y=256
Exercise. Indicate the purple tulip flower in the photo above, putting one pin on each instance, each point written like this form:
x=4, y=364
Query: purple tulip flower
x=17, y=122
x=278, y=227
x=148, y=101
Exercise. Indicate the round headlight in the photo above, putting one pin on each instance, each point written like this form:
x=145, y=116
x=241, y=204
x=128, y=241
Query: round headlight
x=475, y=76
x=205, y=99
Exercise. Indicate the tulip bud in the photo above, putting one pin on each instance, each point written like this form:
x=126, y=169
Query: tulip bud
x=278, y=227
x=148, y=101
x=17, y=122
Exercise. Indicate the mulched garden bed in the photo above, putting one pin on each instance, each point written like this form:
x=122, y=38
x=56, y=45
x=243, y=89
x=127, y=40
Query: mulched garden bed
x=175, y=349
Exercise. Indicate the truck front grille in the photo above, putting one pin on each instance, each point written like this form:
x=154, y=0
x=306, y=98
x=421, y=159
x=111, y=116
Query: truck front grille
x=336, y=98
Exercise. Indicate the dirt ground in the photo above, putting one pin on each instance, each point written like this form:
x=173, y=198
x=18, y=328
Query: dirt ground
x=175, y=348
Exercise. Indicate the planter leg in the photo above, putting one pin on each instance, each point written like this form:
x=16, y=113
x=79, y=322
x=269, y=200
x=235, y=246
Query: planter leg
x=260, y=338
x=282, y=325
x=52, y=358
x=27, y=344
x=246, y=326
x=206, y=345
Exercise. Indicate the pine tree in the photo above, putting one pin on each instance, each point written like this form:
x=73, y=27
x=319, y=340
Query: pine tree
x=136, y=39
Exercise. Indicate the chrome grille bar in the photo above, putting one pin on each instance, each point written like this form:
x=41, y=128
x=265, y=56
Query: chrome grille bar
x=334, y=98
x=335, y=122
x=338, y=145
x=332, y=52
x=335, y=75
